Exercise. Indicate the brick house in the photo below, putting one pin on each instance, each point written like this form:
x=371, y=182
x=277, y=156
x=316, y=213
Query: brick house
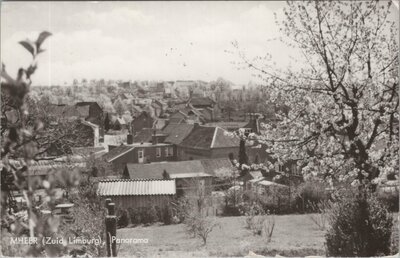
x=139, y=153
x=144, y=120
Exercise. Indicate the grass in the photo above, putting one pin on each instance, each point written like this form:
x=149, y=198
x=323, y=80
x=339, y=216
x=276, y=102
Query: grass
x=294, y=235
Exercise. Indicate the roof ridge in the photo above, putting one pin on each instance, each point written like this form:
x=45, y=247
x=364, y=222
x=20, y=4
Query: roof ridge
x=132, y=179
x=214, y=136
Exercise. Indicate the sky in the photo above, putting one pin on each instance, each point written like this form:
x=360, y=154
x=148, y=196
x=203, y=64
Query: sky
x=160, y=40
x=137, y=40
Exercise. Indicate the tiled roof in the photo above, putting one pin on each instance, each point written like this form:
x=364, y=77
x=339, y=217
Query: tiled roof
x=200, y=137
x=203, y=137
x=177, y=132
x=117, y=152
x=123, y=187
x=86, y=151
x=190, y=168
x=211, y=166
x=221, y=140
x=201, y=101
x=144, y=135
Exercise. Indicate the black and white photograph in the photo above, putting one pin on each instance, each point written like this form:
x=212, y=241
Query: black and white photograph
x=200, y=128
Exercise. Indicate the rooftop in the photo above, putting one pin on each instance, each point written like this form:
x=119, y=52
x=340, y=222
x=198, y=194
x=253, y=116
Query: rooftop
x=177, y=132
x=126, y=187
x=203, y=137
x=178, y=169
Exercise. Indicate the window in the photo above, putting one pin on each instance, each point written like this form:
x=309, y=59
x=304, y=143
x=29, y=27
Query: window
x=140, y=154
x=158, y=152
x=169, y=151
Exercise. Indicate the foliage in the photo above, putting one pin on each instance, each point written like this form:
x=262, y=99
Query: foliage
x=261, y=224
x=122, y=218
x=18, y=138
x=89, y=218
x=152, y=215
x=323, y=210
x=390, y=200
x=342, y=121
x=167, y=216
x=120, y=107
x=199, y=225
x=359, y=226
x=107, y=125
x=243, y=158
x=309, y=195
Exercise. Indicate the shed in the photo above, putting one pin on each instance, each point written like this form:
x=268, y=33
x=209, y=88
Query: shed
x=137, y=194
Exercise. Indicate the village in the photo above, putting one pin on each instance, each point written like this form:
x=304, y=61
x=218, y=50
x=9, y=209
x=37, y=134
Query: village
x=101, y=157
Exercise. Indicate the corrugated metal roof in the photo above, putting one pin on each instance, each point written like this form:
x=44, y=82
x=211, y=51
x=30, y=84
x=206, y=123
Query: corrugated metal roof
x=124, y=187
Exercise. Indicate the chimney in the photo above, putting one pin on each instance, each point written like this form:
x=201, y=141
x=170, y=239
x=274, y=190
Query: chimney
x=129, y=139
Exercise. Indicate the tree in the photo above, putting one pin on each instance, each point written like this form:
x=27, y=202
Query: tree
x=243, y=158
x=107, y=123
x=342, y=120
x=120, y=107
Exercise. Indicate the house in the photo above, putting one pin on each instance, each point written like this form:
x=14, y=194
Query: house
x=253, y=126
x=144, y=120
x=177, y=117
x=190, y=176
x=92, y=112
x=205, y=142
x=145, y=152
x=213, y=166
x=137, y=194
x=229, y=126
x=177, y=132
x=83, y=134
x=201, y=102
x=148, y=134
x=120, y=124
x=88, y=111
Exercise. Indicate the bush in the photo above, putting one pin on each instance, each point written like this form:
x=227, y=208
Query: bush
x=152, y=215
x=322, y=216
x=274, y=201
x=360, y=226
x=390, y=200
x=123, y=218
x=198, y=225
x=309, y=195
x=167, y=216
